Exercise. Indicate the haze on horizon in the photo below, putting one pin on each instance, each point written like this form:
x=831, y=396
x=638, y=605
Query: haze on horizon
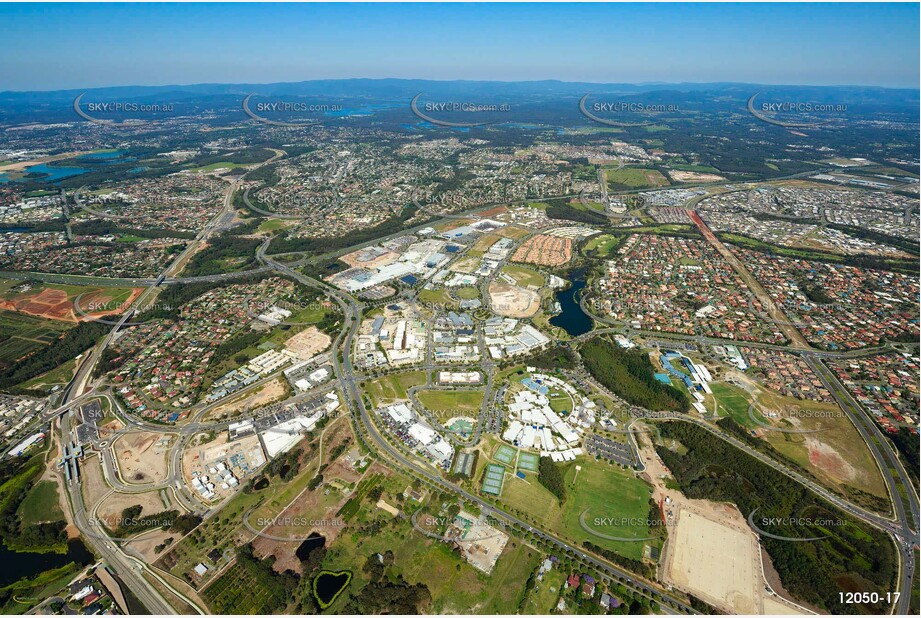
x=95, y=45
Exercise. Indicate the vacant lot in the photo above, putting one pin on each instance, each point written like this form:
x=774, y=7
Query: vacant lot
x=634, y=178
x=393, y=387
x=688, y=176
x=56, y=302
x=513, y=301
x=142, y=456
x=716, y=562
x=308, y=342
x=41, y=504
x=451, y=403
x=111, y=508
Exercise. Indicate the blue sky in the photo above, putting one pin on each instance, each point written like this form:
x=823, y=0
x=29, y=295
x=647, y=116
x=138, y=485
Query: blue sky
x=85, y=45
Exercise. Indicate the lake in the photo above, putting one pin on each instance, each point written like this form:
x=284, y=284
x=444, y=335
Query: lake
x=52, y=174
x=571, y=318
x=309, y=544
x=15, y=565
x=328, y=585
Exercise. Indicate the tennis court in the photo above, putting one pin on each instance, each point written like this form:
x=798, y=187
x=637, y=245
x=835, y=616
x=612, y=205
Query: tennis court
x=505, y=454
x=528, y=461
x=492, y=480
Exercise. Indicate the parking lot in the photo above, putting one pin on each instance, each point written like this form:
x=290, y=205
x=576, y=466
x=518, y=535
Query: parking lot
x=611, y=450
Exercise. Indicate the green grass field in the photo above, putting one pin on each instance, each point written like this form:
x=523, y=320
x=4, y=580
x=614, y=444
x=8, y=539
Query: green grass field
x=467, y=293
x=393, y=387
x=605, y=490
x=545, y=594
x=451, y=403
x=41, y=504
x=215, y=166
x=732, y=401
x=455, y=586
x=439, y=298
x=560, y=401
x=270, y=225
x=634, y=178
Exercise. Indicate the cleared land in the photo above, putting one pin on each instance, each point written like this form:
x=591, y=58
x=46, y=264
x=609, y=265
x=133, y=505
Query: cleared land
x=689, y=176
x=56, y=302
x=142, y=456
x=634, y=178
x=308, y=342
x=513, y=301
x=716, y=562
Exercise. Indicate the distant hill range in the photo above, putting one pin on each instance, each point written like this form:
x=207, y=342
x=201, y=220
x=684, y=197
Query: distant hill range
x=403, y=88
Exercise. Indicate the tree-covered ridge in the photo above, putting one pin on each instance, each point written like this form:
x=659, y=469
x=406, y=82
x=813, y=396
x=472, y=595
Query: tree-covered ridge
x=630, y=375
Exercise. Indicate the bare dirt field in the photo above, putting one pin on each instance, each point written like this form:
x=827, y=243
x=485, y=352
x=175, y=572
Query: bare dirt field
x=512, y=301
x=685, y=176
x=492, y=212
x=141, y=456
x=92, y=482
x=308, y=342
x=363, y=257
x=111, y=508
x=271, y=391
x=711, y=551
x=715, y=561
x=544, y=250
x=56, y=304
x=147, y=542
